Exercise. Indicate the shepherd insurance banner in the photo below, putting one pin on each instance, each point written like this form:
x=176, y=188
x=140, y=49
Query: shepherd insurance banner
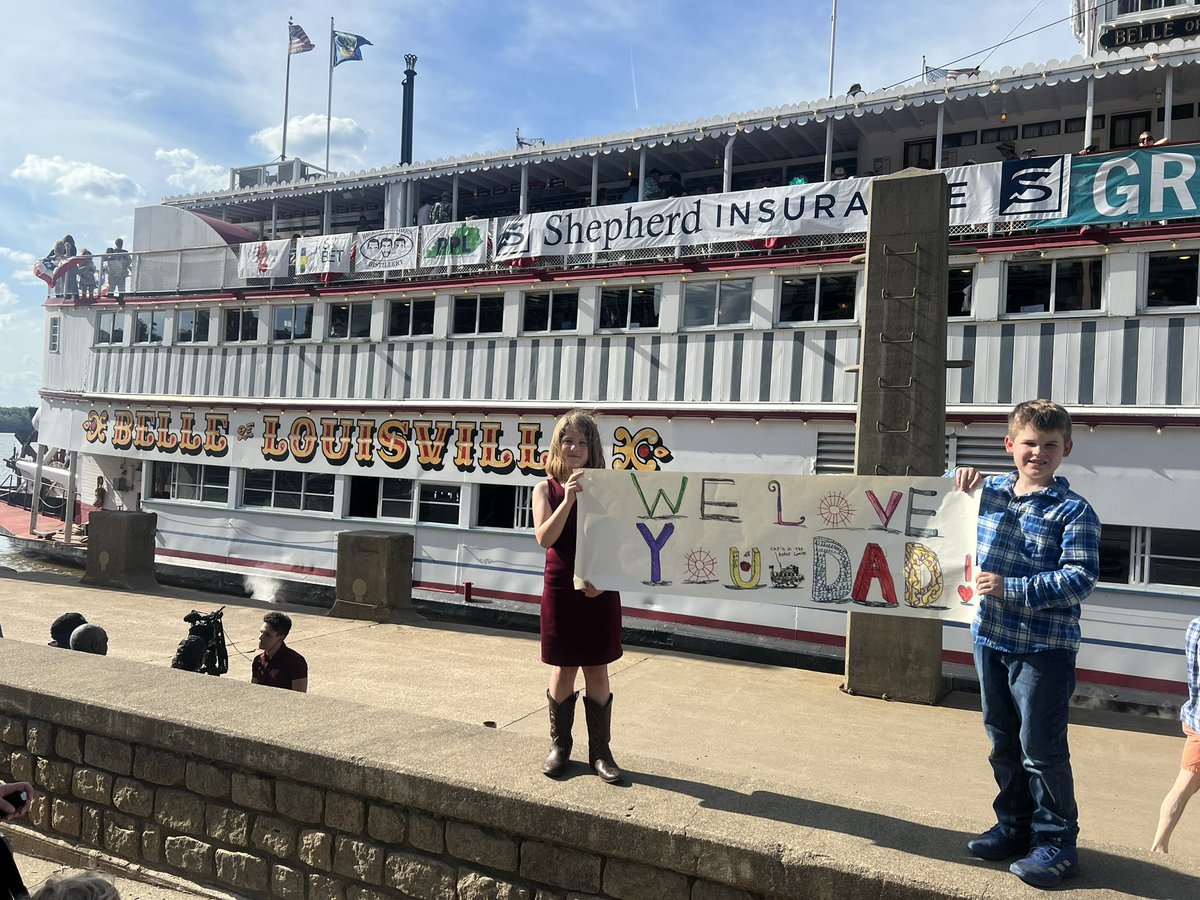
x=1015, y=190
x=388, y=248
x=323, y=253
x=264, y=259
x=895, y=545
x=1133, y=186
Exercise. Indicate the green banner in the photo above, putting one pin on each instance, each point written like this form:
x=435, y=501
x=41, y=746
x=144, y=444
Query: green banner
x=1133, y=186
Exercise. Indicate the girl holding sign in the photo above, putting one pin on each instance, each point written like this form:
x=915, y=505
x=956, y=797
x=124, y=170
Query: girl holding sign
x=581, y=629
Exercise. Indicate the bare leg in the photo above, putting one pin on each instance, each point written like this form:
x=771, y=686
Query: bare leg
x=595, y=680
x=1173, y=804
x=562, y=682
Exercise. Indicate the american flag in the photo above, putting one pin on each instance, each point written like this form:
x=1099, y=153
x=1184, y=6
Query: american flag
x=298, y=41
x=932, y=74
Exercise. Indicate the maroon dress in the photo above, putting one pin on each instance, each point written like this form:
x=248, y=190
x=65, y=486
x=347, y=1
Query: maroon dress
x=577, y=630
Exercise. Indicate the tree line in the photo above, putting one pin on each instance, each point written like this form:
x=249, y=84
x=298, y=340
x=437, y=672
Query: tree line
x=16, y=419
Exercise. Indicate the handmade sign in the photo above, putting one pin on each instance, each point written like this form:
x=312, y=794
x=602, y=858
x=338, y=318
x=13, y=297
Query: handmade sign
x=897, y=545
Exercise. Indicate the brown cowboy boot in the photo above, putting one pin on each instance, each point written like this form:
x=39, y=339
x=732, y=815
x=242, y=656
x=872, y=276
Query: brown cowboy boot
x=599, y=726
x=562, y=717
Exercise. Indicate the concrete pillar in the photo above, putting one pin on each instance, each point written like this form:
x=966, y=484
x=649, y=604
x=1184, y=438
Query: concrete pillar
x=901, y=427
x=120, y=550
x=374, y=576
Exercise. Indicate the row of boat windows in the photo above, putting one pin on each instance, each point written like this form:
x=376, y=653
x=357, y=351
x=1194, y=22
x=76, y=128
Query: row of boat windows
x=1031, y=287
x=1129, y=555
x=367, y=497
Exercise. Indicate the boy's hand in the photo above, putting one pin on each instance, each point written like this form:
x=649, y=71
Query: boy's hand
x=991, y=584
x=967, y=478
x=590, y=590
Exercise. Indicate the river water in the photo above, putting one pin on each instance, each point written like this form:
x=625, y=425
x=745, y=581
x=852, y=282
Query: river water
x=10, y=556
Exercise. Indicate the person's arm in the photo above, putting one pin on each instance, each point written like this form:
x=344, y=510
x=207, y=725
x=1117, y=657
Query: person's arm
x=547, y=523
x=1073, y=580
x=9, y=810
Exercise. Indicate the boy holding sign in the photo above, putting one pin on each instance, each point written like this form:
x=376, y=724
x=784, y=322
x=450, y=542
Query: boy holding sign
x=1038, y=557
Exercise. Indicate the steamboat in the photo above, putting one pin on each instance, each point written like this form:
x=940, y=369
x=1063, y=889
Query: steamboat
x=294, y=357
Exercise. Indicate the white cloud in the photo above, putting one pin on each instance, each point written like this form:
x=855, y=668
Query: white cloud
x=190, y=173
x=22, y=269
x=78, y=179
x=21, y=326
x=306, y=139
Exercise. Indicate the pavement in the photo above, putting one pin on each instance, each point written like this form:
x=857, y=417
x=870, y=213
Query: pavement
x=778, y=744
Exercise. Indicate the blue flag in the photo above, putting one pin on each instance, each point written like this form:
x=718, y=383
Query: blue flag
x=347, y=46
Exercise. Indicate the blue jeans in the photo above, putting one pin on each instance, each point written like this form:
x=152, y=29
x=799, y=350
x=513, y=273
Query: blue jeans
x=1026, y=703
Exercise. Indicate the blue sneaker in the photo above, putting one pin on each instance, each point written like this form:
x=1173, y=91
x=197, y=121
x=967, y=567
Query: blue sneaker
x=1047, y=865
x=999, y=842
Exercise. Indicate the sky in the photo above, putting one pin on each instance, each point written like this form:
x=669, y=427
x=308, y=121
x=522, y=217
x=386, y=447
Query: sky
x=126, y=102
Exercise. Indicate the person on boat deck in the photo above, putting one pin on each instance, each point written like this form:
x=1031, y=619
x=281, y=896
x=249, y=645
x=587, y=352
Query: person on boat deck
x=278, y=665
x=651, y=190
x=443, y=210
x=673, y=186
x=116, y=267
x=87, y=276
x=1187, y=782
x=580, y=627
x=64, y=250
x=425, y=212
x=1038, y=556
x=631, y=192
x=1146, y=139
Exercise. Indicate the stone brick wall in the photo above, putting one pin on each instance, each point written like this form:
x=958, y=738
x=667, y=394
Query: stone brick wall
x=292, y=819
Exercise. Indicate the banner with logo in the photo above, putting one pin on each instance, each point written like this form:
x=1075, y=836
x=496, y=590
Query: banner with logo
x=264, y=259
x=388, y=248
x=902, y=546
x=1136, y=185
x=323, y=253
x=454, y=244
x=1016, y=190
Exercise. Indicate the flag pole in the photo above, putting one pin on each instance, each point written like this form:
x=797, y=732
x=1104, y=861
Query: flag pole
x=287, y=83
x=329, y=104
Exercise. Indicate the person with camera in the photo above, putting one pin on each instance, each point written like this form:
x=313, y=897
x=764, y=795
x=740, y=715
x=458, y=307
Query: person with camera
x=278, y=665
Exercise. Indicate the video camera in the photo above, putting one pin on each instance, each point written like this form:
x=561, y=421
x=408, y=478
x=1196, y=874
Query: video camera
x=203, y=650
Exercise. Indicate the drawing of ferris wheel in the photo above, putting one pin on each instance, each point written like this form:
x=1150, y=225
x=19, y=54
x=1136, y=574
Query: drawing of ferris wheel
x=836, y=510
x=701, y=566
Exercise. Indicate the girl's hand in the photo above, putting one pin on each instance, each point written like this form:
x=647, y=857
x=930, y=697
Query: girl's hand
x=967, y=478
x=589, y=590
x=572, y=486
x=991, y=584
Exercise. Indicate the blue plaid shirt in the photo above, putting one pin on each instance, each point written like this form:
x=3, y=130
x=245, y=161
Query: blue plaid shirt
x=1046, y=545
x=1190, y=714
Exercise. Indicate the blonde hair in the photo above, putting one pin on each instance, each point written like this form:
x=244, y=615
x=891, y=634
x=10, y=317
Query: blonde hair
x=1040, y=415
x=585, y=423
x=78, y=886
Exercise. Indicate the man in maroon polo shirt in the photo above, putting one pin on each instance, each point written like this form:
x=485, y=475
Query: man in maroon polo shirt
x=278, y=665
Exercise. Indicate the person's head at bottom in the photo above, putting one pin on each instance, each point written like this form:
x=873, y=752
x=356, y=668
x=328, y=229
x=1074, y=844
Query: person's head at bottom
x=63, y=626
x=77, y=886
x=90, y=638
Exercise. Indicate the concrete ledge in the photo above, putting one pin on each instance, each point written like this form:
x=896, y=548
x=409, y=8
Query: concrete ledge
x=464, y=803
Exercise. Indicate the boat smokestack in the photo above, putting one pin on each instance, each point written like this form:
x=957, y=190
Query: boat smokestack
x=406, y=127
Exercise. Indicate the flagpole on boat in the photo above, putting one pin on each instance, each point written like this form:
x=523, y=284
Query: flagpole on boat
x=829, y=120
x=329, y=103
x=287, y=85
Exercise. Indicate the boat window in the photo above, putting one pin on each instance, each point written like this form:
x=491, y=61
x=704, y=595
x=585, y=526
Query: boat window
x=293, y=322
x=1128, y=7
x=288, y=490
x=54, y=335
x=1077, y=125
x=410, y=317
x=1040, y=129
x=550, y=311
x=1126, y=128
x=1144, y=556
x=439, y=503
x=190, y=481
x=1055, y=286
x=348, y=321
x=998, y=135
x=1179, y=111
x=191, y=326
x=149, y=325
x=241, y=325
x=1171, y=279
x=959, y=290
x=110, y=328
x=373, y=498
x=474, y=314
x=709, y=303
x=816, y=298
x=504, y=506
x=632, y=306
